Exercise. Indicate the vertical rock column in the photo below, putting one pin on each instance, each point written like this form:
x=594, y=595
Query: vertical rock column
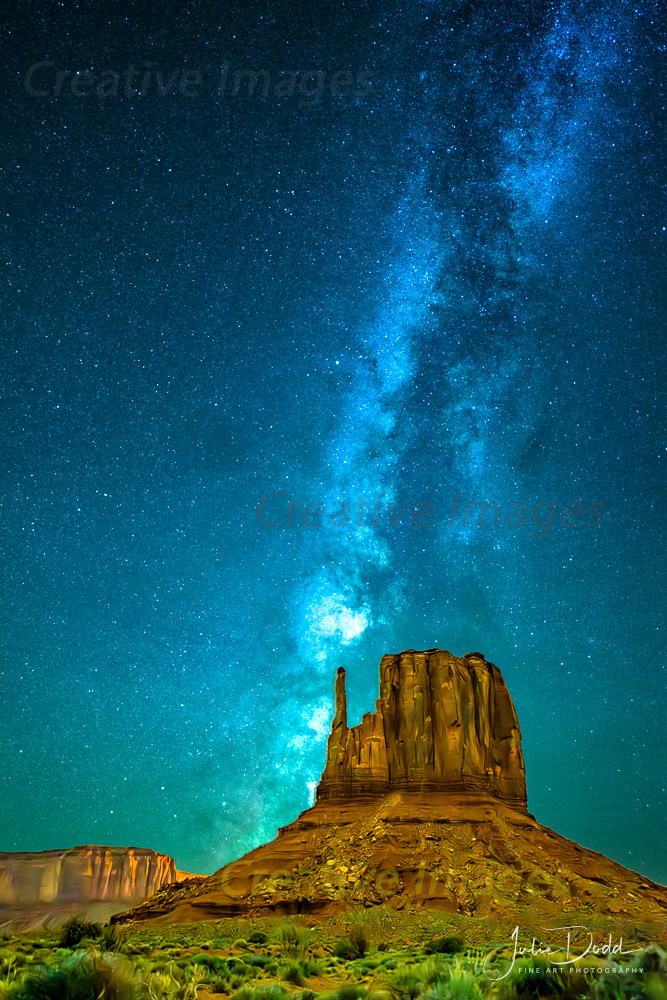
x=441, y=721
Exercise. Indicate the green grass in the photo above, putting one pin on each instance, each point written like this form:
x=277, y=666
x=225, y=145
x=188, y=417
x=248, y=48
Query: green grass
x=375, y=955
x=451, y=944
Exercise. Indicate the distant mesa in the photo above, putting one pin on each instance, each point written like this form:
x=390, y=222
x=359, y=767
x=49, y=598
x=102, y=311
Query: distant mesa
x=423, y=804
x=43, y=888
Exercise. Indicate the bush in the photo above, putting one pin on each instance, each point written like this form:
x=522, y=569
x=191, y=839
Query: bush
x=261, y=993
x=82, y=977
x=112, y=938
x=8, y=973
x=343, y=949
x=404, y=985
x=292, y=973
x=171, y=986
x=350, y=992
x=258, y=937
x=448, y=945
x=257, y=961
x=458, y=988
x=75, y=929
x=312, y=967
x=355, y=945
x=213, y=962
x=294, y=940
x=358, y=938
x=530, y=985
x=653, y=959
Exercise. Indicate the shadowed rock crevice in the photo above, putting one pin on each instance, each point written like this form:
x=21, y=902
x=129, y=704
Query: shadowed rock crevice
x=422, y=804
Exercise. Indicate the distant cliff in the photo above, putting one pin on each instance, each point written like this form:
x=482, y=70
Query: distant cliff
x=46, y=886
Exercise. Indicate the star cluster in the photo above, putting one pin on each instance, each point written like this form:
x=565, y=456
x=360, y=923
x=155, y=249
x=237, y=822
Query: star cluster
x=294, y=378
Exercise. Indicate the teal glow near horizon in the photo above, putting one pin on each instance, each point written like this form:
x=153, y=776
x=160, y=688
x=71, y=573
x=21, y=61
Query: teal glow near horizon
x=361, y=306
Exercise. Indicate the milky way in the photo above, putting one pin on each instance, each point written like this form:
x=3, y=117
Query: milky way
x=296, y=379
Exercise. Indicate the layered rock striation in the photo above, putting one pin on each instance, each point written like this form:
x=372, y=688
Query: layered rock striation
x=442, y=722
x=40, y=887
x=422, y=804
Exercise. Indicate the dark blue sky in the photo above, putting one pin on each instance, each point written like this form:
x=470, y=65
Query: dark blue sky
x=445, y=277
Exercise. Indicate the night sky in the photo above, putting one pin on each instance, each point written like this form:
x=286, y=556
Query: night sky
x=262, y=350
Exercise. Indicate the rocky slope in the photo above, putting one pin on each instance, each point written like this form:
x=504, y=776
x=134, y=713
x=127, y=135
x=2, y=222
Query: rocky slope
x=43, y=887
x=422, y=804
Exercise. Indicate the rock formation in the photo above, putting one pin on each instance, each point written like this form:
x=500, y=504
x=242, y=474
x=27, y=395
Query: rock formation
x=46, y=886
x=441, y=722
x=422, y=804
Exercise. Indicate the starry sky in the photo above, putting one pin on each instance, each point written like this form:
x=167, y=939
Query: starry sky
x=265, y=355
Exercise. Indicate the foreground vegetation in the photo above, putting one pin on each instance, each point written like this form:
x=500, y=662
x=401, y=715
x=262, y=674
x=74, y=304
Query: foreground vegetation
x=363, y=957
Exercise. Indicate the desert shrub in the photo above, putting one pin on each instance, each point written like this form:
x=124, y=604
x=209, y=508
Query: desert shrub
x=293, y=973
x=541, y=982
x=433, y=971
x=405, y=985
x=655, y=986
x=212, y=962
x=294, y=941
x=8, y=974
x=312, y=967
x=219, y=986
x=258, y=937
x=343, y=949
x=170, y=986
x=448, y=945
x=455, y=989
x=237, y=979
x=358, y=937
x=257, y=961
x=6, y=963
x=355, y=945
x=75, y=929
x=82, y=977
x=111, y=938
x=261, y=993
x=368, y=964
x=350, y=991
x=652, y=959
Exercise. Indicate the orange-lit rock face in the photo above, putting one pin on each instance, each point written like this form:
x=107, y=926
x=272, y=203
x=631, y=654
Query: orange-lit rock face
x=82, y=875
x=441, y=722
x=421, y=805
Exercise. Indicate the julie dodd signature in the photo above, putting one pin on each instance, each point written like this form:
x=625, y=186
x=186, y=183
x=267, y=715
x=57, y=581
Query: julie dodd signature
x=569, y=953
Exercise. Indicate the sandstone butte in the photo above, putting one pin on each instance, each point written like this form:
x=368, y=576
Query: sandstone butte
x=43, y=887
x=422, y=804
